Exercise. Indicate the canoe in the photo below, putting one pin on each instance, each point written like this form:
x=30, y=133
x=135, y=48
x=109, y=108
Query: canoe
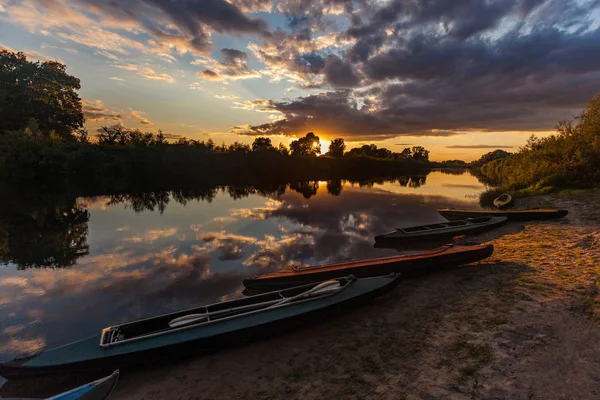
x=200, y=329
x=453, y=214
x=443, y=229
x=503, y=201
x=448, y=255
x=97, y=390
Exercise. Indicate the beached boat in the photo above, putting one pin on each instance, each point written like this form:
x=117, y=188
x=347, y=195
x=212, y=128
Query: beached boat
x=448, y=255
x=453, y=214
x=205, y=328
x=442, y=229
x=503, y=201
x=96, y=390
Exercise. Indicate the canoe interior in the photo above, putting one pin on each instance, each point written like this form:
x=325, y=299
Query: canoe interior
x=512, y=215
x=444, y=225
x=218, y=311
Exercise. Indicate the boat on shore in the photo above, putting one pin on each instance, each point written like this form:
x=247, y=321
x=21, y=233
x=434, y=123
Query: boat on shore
x=201, y=329
x=503, y=201
x=454, y=214
x=442, y=229
x=445, y=256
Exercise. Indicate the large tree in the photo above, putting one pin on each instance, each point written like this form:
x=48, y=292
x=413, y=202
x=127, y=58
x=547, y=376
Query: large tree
x=38, y=90
x=337, y=148
x=309, y=145
x=262, y=143
x=420, y=154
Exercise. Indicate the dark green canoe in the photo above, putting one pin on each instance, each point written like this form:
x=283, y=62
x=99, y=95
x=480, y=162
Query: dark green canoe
x=201, y=329
x=454, y=214
x=442, y=229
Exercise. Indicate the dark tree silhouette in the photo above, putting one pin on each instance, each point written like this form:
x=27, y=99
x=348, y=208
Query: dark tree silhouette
x=262, y=143
x=309, y=145
x=306, y=188
x=334, y=187
x=370, y=150
x=337, y=148
x=420, y=154
x=42, y=231
x=40, y=91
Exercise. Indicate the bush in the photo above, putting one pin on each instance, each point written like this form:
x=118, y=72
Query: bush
x=569, y=158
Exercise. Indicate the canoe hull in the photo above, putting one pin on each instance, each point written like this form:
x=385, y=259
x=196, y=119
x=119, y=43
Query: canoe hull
x=404, y=266
x=98, y=390
x=503, y=203
x=512, y=215
x=446, y=234
x=16, y=369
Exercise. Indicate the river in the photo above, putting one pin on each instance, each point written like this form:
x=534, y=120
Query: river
x=73, y=265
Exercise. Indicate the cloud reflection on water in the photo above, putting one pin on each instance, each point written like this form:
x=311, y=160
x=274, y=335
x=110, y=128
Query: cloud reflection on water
x=187, y=255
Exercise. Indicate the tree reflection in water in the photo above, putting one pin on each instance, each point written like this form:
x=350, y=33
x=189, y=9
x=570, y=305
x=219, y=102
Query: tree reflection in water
x=50, y=230
x=42, y=231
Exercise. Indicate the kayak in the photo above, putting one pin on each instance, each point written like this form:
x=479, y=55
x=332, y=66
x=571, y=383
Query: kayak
x=503, y=201
x=448, y=255
x=200, y=329
x=97, y=390
x=453, y=214
x=443, y=229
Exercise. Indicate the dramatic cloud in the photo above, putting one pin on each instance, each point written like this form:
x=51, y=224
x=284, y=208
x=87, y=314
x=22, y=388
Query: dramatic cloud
x=442, y=68
x=339, y=73
x=231, y=67
x=375, y=69
x=180, y=26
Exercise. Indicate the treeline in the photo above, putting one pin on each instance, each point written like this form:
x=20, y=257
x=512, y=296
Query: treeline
x=28, y=155
x=42, y=138
x=569, y=158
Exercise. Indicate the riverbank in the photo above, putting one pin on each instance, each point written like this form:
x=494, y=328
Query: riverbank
x=521, y=324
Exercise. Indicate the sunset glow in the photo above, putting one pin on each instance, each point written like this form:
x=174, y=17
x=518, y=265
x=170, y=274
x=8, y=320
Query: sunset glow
x=233, y=70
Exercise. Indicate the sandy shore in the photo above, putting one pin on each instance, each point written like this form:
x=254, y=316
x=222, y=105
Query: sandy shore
x=522, y=324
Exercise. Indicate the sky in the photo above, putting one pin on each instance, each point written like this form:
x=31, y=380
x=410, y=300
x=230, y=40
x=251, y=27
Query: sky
x=460, y=77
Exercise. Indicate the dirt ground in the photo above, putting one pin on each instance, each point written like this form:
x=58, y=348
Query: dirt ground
x=522, y=324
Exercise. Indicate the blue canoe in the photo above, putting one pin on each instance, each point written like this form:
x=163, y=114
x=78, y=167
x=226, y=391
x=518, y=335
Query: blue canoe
x=200, y=329
x=97, y=390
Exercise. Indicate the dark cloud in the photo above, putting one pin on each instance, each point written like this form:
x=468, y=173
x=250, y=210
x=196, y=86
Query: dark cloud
x=233, y=57
x=479, y=146
x=208, y=74
x=231, y=66
x=314, y=61
x=340, y=115
x=193, y=21
x=339, y=73
x=441, y=68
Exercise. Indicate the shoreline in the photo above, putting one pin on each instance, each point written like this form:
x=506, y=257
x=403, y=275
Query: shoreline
x=520, y=324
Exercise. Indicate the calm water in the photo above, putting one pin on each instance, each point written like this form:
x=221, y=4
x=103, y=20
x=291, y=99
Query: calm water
x=72, y=266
